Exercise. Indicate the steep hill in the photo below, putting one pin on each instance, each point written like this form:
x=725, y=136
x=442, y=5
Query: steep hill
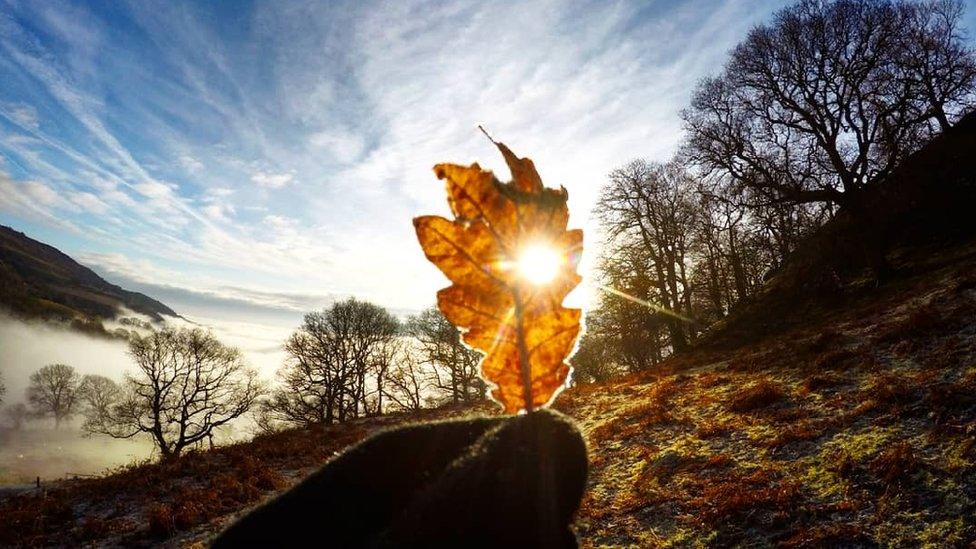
x=857, y=429
x=924, y=206
x=39, y=281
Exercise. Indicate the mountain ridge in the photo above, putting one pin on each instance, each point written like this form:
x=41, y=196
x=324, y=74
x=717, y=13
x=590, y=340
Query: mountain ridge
x=38, y=280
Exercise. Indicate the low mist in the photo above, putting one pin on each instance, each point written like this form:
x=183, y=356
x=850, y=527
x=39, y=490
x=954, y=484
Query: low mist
x=38, y=449
x=27, y=346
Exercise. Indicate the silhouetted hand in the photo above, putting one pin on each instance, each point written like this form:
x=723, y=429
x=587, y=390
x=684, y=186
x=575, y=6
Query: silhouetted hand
x=489, y=482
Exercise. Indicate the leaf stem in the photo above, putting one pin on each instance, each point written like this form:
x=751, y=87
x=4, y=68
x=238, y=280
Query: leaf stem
x=524, y=365
x=490, y=138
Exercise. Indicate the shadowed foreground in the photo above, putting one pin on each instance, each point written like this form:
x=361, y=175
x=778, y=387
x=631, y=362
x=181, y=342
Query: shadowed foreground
x=482, y=481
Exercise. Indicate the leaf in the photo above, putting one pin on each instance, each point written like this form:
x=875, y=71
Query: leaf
x=519, y=324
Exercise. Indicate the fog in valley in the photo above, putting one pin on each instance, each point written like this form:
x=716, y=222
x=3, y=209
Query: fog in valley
x=38, y=449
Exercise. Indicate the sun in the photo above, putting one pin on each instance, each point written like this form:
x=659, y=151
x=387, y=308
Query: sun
x=539, y=264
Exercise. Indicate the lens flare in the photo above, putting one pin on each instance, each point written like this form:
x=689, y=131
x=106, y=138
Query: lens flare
x=539, y=264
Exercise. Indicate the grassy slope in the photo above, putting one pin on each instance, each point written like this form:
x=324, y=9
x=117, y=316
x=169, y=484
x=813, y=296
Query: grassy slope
x=859, y=428
x=184, y=501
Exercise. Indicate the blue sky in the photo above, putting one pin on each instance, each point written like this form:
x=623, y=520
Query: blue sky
x=270, y=155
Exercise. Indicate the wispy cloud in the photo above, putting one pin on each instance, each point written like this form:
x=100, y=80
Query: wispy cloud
x=203, y=299
x=272, y=180
x=21, y=114
x=35, y=201
x=282, y=150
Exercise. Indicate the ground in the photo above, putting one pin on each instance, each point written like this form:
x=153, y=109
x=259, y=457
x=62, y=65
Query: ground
x=858, y=426
x=859, y=430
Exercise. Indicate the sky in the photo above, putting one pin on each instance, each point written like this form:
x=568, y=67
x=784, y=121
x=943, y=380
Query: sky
x=248, y=161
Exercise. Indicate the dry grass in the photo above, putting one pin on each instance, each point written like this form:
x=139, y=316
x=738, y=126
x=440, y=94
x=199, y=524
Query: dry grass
x=836, y=359
x=838, y=440
x=858, y=432
x=756, y=396
x=896, y=465
x=817, y=383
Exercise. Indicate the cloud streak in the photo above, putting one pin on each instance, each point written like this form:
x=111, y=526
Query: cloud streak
x=282, y=150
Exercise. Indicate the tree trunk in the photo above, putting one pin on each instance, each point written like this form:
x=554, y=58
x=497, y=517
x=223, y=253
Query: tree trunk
x=379, y=395
x=738, y=273
x=873, y=238
x=678, y=342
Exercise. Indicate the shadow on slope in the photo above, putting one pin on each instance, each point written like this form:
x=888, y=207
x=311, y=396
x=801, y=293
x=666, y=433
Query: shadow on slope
x=918, y=216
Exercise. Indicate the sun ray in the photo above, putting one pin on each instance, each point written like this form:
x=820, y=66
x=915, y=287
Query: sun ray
x=648, y=304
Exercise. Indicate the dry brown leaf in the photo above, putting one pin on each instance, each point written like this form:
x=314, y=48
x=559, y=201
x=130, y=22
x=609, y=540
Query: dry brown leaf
x=518, y=322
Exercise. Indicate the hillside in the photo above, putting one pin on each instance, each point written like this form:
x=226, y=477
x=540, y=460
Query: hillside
x=39, y=281
x=924, y=206
x=861, y=428
x=831, y=410
x=858, y=429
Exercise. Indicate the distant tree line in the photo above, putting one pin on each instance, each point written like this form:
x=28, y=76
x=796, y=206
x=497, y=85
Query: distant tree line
x=355, y=359
x=186, y=386
x=351, y=360
x=811, y=111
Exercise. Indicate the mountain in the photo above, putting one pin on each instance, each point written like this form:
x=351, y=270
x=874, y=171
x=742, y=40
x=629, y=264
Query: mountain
x=40, y=281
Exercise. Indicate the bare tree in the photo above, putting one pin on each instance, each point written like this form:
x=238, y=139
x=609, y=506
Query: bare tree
x=17, y=415
x=936, y=59
x=186, y=386
x=595, y=361
x=410, y=383
x=636, y=335
x=311, y=380
x=824, y=102
x=649, y=206
x=53, y=392
x=679, y=254
x=3, y=388
x=388, y=348
x=827, y=99
x=97, y=395
x=780, y=227
x=813, y=107
x=454, y=365
x=720, y=235
x=736, y=244
x=337, y=365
